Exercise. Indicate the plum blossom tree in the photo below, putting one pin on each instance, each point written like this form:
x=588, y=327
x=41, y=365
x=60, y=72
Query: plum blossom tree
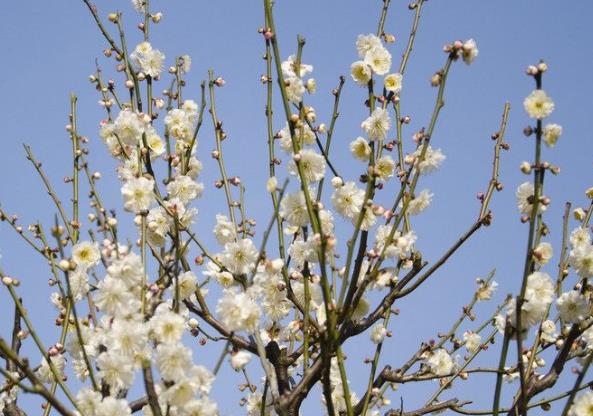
x=284, y=302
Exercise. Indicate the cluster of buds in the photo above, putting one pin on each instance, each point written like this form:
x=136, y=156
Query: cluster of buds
x=536, y=70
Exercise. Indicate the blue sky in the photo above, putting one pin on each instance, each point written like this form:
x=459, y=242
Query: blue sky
x=50, y=48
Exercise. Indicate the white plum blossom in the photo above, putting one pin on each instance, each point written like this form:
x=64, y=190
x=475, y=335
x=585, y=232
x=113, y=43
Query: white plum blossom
x=86, y=254
x=433, y=159
x=472, y=341
x=185, y=189
x=167, y=327
x=116, y=370
x=582, y=405
x=224, y=230
x=469, y=51
x=572, y=306
x=148, y=60
x=379, y=59
x=128, y=128
x=538, y=104
x=420, y=202
x=348, y=200
x=525, y=195
x=551, y=134
x=239, y=257
x=365, y=43
x=440, y=362
x=360, y=149
x=312, y=164
x=294, y=89
x=114, y=298
x=377, y=124
x=361, y=73
x=543, y=253
x=172, y=361
x=138, y=194
x=289, y=68
x=239, y=359
x=384, y=167
x=294, y=209
x=378, y=333
x=45, y=374
x=393, y=83
x=238, y=311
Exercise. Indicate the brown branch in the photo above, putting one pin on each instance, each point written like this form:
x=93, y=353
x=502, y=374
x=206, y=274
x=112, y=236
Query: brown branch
x=448, y=404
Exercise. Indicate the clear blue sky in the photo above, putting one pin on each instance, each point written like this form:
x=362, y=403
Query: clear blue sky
x=49, y=48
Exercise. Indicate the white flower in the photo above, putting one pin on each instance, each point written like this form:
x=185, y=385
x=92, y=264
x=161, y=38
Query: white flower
x=572, y=306
x=44, y=372
x=379, y=59
x=185, y=63
x=469, y=51
x=289, y=68
x=294, y=210
x=128, y=127
x=377, y=125
x=583, y=405
x=128, y=337
x=202, y=377
x=538, y=105
x=433, y=158
x=548, y=333
x=312, y=164
x=440, y=362
x=185, y=189
x=201, y=407
x=239, y=359
x=139, y=5
x=239, y=257
x=303, y=135
x=378, y=333
x=485, y=290
x=360, y=73
x=167, y=327
x=172, y=361
x=348, y=200
x=148, y=60
x=154, y=142
x=294, y=89
x=360, y=149
x=551, y=133
x=238, y=311
x=472, y=341
x=88, y=401
x=138, y=194
x=79, y=284
x=543, y=253
x=364, y=43
x=420, y=202
x=86, y=254
x=180, y=393
x=393, y=83
x=384, y=167
x=114, y=298
x=538, y=296
x=581, y=259
x=179, y=124
x=525, y=195
x=187, y=284
x=110, y=406
x=128, y=269
x=580, y=237
x=224, y=230
x=116, y=370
